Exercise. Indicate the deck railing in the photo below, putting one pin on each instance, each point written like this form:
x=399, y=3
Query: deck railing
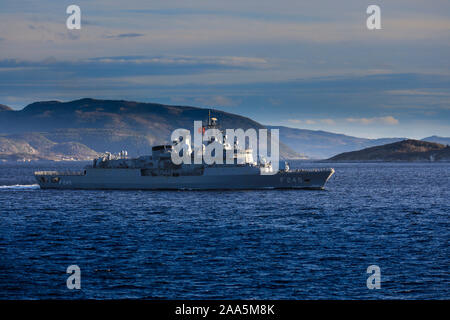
x=59, y=173
x=311, y=170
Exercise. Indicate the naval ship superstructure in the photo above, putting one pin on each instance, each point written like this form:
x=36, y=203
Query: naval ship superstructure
x=158, y=172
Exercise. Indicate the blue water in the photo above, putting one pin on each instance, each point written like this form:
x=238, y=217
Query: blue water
x=270, y=244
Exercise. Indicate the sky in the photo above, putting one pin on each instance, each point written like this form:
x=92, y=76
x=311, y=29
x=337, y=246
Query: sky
x=302, y=64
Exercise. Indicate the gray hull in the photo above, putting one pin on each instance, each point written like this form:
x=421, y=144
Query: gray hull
x=130, y=179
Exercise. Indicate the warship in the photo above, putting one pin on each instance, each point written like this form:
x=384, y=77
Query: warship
x=158, y=172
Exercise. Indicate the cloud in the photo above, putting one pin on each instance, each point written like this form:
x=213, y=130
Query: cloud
x=168, y=26
x=216, y=101
x=306, y=102
x=416, y=92
x=390, y=120
x=122, y=67
x=313, y=121
x=125, y=35
x=186, y=60
x=206, y=101
x=327, y=121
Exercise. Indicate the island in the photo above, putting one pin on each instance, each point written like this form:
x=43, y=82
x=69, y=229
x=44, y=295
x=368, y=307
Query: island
x=406, y=150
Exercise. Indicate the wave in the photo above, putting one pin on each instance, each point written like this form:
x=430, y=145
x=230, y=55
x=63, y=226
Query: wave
x=20, y=187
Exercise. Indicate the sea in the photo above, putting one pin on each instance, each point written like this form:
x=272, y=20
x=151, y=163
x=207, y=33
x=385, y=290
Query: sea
x=269, y=244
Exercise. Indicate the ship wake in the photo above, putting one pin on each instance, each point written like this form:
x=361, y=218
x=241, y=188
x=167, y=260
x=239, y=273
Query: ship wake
x=20, y=187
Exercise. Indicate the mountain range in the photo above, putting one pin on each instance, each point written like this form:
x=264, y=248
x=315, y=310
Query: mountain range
x=319, y=144
x=82, y=129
